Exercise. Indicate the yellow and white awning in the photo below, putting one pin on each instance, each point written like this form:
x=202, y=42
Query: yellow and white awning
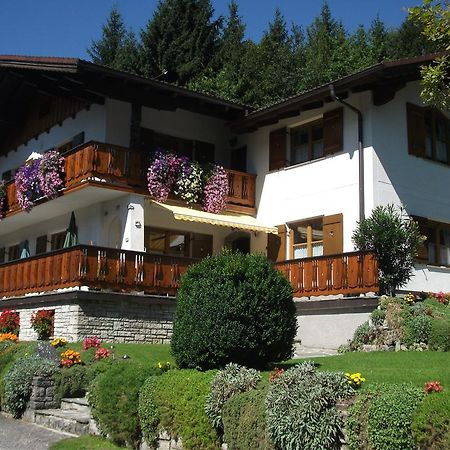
x=224, y=219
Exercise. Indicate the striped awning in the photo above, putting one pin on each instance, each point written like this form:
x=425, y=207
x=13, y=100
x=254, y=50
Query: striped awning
x=224, y=219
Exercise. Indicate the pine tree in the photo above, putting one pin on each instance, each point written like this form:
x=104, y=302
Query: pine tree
x=181, y=39
x=360, y=55
x=128, y=57
x=105, y=50
x=378, y=38
x=325, y=49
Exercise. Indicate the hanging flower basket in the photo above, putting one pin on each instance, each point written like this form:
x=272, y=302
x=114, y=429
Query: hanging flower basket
x=2, y=199
x=39, y=178
x=188, y=181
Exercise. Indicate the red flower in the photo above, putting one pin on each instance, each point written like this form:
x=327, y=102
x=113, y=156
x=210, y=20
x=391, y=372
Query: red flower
x=91, y=342
x=102, y=353
x=433, y=386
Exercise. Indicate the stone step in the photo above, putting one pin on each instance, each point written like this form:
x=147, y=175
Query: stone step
x=69, y=421
x=77, y=404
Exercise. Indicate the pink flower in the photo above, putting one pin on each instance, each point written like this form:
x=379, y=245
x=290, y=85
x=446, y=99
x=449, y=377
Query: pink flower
x=91, y=342
x=102, y=353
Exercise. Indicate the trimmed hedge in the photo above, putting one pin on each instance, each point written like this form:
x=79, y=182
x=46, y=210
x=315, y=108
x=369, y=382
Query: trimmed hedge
x=113, y=397
x=175, y=402
x=244, y=421
x=381, y=418
x=233, y=308
x=431, y=422
x=73, y=382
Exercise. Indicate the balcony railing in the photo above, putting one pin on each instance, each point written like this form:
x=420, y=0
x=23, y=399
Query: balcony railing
x=94, y=267
x=128, y=271
x=347, y=273
x=119, y=167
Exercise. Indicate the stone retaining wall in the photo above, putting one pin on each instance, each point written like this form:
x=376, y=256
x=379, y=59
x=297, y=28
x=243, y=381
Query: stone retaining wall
x=112, y=317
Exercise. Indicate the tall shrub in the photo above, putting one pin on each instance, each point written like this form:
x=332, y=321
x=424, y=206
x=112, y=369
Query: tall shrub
x=395, y=240
x=233, y=308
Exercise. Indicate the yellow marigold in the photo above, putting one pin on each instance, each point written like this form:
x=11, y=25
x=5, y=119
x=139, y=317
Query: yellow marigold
x=71, y=355
x=8, y=337
x=58, y=342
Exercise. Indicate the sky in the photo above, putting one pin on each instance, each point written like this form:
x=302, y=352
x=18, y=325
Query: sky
x=67, y=27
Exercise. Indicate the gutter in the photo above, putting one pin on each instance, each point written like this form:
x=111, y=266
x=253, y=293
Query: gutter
x=360, y=150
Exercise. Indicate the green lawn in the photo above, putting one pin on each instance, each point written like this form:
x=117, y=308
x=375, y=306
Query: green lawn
x=84, y=443
x=149, y=354
x=390, y=367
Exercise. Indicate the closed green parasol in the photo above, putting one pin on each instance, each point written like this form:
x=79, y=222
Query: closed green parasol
x=71, y=238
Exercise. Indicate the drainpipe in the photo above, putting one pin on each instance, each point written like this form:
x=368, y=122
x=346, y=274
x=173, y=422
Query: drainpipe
x=360, y=150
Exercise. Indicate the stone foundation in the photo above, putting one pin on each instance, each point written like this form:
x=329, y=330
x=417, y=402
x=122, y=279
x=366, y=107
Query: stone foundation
x=111, y=316
x=42, y=396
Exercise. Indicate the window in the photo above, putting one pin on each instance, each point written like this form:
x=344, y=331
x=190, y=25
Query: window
x=14, y=252
x=2, y=255
x=57, y=240
x=307, y=238
x=203, y=152
x=177, y=243
x=436, y=248
x=307, y=143
x=428, y=133
x=41, y=244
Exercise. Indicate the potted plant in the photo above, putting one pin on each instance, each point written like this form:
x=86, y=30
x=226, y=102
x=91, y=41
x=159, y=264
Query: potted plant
x=42, y=322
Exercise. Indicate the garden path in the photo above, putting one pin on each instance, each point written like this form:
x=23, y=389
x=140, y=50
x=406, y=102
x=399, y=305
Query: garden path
x=21, y=435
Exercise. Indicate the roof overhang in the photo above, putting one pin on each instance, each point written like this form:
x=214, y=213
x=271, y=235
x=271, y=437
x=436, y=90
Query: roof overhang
x=383, y=79
x=225, y=219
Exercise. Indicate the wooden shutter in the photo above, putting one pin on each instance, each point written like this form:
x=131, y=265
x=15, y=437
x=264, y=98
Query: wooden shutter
x=332, y=234
x=276, y=245
x=277, y=149
x=424, y=228
x=415, y=117
x=333, y=131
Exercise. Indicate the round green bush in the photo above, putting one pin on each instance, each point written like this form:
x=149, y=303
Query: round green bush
x=233, y=308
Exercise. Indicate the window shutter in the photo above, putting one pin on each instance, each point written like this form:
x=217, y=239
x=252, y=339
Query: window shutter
x=277, y=149
x=415, y=116
x=332, y=234
x=333, y=131
x=276, y=245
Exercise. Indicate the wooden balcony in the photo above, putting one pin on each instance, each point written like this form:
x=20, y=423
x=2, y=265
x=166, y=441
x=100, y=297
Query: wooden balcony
x=347, y=273
x=94, y=267
x=128, y=271
x=115, y=167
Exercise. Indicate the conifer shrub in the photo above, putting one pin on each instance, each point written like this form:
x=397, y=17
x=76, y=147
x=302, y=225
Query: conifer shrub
x=113, y=397
x=233, y=308
x=244, y=421
x=175, y=402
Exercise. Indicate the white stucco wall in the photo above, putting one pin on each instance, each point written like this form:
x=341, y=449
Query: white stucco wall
x=420, y=185
x=188, y=125
x=321, y=187
x=91, y=122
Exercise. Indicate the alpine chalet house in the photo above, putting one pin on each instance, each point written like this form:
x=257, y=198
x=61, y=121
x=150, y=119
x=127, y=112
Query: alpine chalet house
x=95, y=247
